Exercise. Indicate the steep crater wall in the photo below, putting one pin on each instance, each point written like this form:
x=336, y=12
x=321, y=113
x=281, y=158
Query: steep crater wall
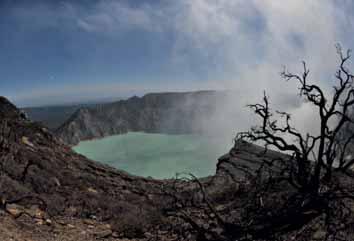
x=171, y=113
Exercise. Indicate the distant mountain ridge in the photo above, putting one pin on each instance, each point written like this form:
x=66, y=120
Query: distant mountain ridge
x=170, y=112
x=51, y=116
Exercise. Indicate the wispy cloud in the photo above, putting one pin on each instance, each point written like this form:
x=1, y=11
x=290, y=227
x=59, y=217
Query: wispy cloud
x=240, y=40
x=238, y=37
x=111, y=16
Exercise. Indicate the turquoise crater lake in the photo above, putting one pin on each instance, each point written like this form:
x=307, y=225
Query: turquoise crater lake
x=157, y=155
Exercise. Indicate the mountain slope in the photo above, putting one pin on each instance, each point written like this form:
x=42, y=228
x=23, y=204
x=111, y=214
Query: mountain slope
x=37, y=171
x=157, y=112
x=51, y=116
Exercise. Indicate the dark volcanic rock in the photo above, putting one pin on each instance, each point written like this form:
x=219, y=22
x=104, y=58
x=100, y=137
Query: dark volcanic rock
x=38, y=169
x=9, y=111
x=160, y=112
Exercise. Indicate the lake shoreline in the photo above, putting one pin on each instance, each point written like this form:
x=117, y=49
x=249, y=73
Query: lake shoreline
x=156, y=155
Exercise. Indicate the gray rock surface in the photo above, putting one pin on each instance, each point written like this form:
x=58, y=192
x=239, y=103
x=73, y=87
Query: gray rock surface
x=156, y=112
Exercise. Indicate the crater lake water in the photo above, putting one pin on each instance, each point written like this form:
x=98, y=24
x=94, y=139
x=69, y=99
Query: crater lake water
x=157, y=155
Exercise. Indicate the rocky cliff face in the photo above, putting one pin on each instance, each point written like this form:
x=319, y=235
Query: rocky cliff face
x=160, y=112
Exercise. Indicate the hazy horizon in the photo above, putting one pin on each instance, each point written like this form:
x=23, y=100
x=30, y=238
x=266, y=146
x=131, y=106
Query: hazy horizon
x=97, y=100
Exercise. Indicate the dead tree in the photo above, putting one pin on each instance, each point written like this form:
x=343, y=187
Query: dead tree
x=314, y=158
x=291, y=194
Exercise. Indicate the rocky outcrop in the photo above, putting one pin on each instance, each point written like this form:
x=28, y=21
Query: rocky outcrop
x=157, y=112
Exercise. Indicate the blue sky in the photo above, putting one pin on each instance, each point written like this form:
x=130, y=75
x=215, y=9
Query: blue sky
x=55, y=52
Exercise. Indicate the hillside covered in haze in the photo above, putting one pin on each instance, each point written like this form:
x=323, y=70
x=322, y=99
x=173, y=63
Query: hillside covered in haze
x=172, y=113
x=51, y=116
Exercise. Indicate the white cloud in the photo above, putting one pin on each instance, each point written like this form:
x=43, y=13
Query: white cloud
x=111, y=16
